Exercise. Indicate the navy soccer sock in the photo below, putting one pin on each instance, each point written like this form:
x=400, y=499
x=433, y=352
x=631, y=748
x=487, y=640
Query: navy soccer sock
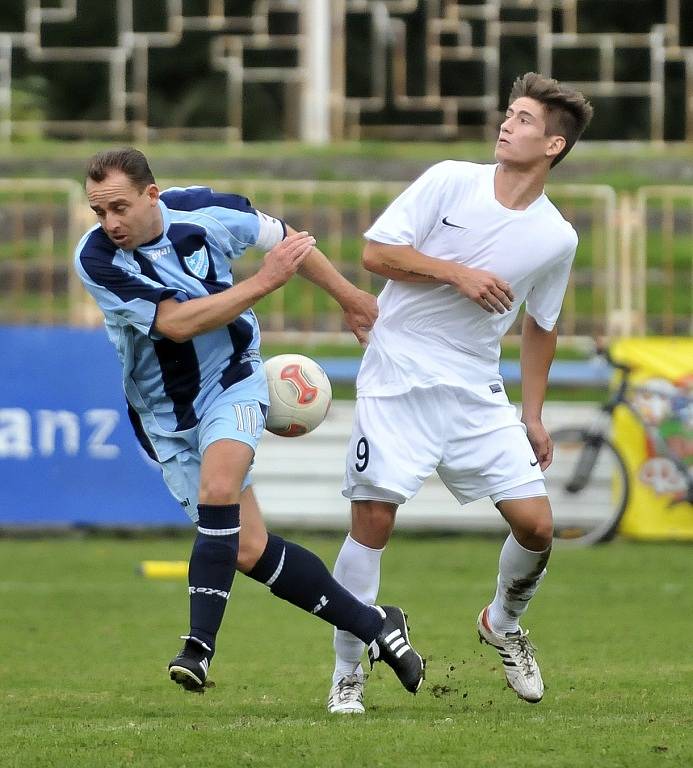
x=300, y=577
x=212, y=568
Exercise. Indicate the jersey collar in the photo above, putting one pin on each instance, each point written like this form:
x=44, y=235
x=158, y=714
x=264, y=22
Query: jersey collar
x=165, y=215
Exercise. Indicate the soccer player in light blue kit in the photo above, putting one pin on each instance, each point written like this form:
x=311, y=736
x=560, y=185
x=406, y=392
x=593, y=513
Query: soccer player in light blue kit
x=159, y=267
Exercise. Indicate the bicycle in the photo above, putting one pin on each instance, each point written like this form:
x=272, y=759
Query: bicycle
x=588, y=482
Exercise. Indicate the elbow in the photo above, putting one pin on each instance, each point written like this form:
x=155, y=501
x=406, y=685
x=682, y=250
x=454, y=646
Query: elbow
x=371, y=259
x=174, y=331
x=173, y=321
x=178, y=336
x=531, y=324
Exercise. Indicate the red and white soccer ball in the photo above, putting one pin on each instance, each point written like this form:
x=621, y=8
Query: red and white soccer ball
x=299, y=392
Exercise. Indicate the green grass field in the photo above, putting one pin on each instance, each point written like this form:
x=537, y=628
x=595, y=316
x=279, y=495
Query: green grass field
x=85, y=642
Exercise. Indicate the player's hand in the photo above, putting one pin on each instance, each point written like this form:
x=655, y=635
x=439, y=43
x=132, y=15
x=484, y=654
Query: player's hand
x=360, y=312
x=284, y=260
x=490, y=292
x=541, y=443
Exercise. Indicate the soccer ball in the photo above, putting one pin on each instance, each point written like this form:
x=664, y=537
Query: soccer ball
x=299, y=393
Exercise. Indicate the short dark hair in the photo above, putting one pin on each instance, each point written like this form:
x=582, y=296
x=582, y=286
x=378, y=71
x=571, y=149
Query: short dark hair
x=567, y=111
x=129, y=161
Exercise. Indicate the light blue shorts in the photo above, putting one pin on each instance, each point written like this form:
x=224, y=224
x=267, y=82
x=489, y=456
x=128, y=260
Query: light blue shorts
x=232, y=415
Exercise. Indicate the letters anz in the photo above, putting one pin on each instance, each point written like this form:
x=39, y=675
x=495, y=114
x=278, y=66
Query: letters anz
x=45, y=433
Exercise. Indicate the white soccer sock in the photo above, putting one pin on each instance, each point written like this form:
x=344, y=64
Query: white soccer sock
x=357, y=569
x=519, y=573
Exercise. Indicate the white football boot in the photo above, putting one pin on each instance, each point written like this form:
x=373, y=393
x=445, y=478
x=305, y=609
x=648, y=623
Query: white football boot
x=517, y=654
x=346, y=696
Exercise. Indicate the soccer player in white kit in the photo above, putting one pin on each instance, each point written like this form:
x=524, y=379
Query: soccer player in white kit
x=464, y=247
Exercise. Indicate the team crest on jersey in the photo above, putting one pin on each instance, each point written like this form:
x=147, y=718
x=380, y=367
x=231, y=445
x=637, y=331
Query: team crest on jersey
x=198, y=262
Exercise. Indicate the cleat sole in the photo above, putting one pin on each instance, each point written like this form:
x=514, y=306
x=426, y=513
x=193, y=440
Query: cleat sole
x=185, y=678
x=422, y=678
x=421, y=659
x=522, y=698
x=484, y=641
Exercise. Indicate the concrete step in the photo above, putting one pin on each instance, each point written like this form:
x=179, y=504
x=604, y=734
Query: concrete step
x=298, y=480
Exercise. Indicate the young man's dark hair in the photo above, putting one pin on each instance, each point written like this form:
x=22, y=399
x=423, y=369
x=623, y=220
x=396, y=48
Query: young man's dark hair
x=568, y=113
x=129, y=161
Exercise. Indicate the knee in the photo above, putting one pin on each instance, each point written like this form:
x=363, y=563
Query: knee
x=543, y=533
x=372, y=523
x=535, y=535
x=250, y=550
x=219, y=490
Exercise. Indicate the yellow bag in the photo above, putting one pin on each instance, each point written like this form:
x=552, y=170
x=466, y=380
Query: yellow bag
x=661, y=392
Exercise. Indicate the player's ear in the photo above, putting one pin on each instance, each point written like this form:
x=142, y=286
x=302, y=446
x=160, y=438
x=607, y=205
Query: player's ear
x=555, y=146
x=152, y=192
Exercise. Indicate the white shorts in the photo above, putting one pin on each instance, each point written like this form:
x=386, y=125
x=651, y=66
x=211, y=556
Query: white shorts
x=475, y=442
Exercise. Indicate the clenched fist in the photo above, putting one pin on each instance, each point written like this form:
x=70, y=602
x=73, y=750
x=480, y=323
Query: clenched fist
x=282, y=262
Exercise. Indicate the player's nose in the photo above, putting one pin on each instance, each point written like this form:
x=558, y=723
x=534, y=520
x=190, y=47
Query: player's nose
x=111, y=222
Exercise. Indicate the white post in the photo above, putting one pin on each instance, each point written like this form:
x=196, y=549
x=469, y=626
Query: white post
x=5, y=87
x=315, y=55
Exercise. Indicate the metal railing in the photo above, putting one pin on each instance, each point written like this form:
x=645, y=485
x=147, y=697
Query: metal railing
x=662, y=258
x=632, y=272
x=40, y=223
x=338, y=213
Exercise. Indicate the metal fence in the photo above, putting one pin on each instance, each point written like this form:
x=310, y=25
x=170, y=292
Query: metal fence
x=40, y=223
x=632, y=271
x=662, y=257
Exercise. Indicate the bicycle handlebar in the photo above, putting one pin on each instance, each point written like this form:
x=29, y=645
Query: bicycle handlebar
x=602, y=349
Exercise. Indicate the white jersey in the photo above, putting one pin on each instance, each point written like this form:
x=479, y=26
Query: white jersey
x=428, y=333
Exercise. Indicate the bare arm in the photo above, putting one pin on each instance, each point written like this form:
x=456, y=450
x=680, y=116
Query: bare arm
x=536, y=354
x=182, y=321
x=360, y=308
x=405, y=263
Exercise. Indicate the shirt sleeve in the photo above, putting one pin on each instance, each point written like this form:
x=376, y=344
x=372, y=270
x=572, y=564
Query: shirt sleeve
x=412, y=215
x=271, y=231
x=245, y=226
x=546, y=295
x=127, y=297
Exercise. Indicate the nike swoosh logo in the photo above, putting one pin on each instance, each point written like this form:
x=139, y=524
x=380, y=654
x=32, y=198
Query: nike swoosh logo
x=450, y=224
x=533, y=463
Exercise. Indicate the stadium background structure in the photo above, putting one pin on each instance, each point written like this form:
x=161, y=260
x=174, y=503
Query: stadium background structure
x=74, y=614
x=326, y=70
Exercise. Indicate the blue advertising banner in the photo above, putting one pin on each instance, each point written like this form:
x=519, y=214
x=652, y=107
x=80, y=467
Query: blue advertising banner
x=68, y=455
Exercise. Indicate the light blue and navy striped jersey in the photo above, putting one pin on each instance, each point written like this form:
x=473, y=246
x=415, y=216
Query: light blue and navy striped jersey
x=203, y=232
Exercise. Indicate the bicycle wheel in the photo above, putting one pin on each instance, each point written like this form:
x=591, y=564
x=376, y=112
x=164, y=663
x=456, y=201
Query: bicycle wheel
x=587, y=485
